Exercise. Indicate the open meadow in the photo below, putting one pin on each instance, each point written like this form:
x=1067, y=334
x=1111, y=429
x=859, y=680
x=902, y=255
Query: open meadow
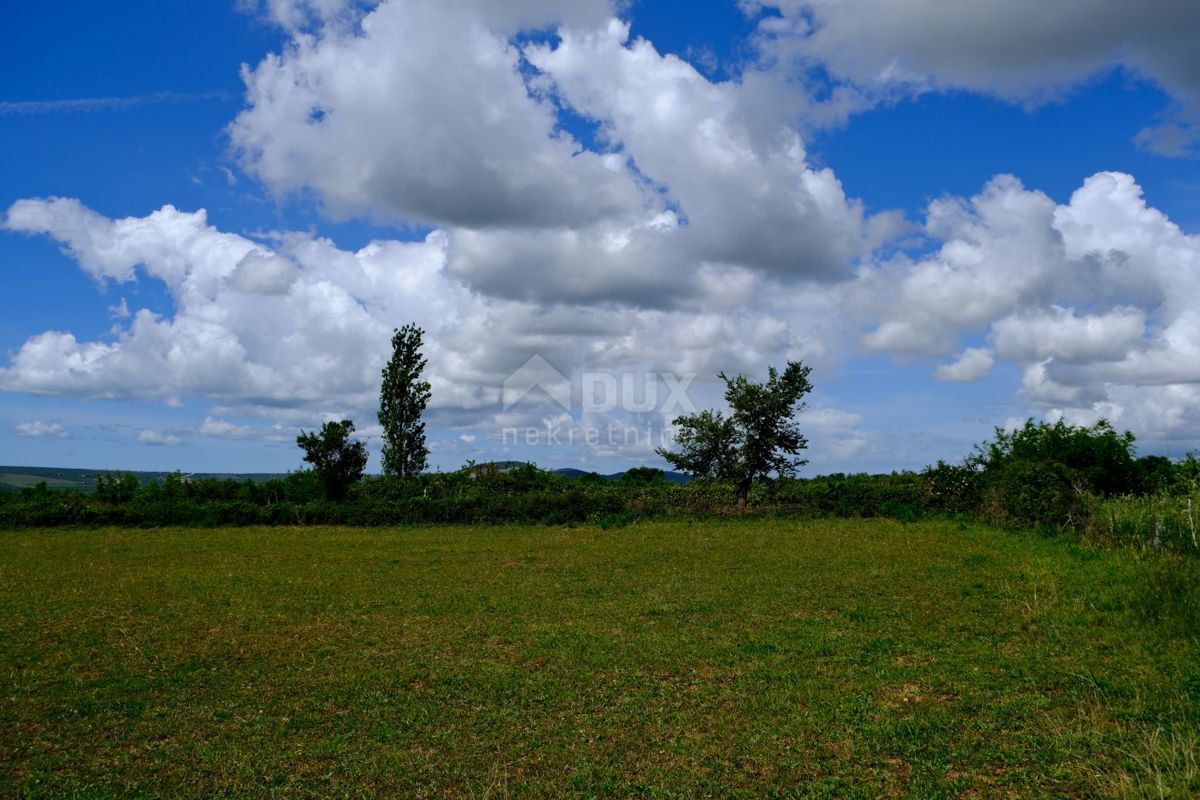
x=833, y=658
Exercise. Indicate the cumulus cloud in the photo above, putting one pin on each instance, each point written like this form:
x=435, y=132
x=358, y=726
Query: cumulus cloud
x=973, y=363
x=38, y=429
x=260, y=273
x=737, y=175
x=296, y=330
x=225, y=429
x=835, y=435
x=421, y=114
x=151, y=437
x=249, y=322
x=1069, y=338
x=690, y=232
x=1021, y=50
x=995, y=257
x=1095, y=298
x=688, y=185
x=296, y=15
x=508, y=17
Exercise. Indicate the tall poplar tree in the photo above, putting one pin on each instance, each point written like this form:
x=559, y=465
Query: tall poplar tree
x=402, y=399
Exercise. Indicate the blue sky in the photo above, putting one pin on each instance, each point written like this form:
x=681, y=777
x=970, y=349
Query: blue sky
x=656, y=188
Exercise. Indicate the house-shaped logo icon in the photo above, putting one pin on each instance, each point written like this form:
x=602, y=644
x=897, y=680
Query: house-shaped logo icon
x=537, y=373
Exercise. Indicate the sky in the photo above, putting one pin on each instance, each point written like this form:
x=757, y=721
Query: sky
x=213, y=216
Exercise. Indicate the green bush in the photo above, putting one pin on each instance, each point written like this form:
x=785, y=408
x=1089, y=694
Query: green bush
x=1037, y=477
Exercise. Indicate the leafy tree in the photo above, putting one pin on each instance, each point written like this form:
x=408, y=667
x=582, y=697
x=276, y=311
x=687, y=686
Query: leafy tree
x=1155, y=474
x=337, y=461
x=402, y=399
x=117, y=489
x=643, y=476
x=760, y=437
x=1042, y=473
x=1096, y=458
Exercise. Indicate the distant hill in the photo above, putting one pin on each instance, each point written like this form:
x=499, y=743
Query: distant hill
x=571, y=472
x=16, y=478
x=84, y=480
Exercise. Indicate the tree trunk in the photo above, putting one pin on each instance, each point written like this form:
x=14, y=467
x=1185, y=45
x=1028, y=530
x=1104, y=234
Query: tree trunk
x=743, y=495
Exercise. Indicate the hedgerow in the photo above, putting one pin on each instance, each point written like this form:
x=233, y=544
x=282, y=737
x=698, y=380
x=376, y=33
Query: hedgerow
x=1048, y=476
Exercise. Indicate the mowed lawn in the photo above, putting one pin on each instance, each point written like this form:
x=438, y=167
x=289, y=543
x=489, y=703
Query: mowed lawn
x=757, y=659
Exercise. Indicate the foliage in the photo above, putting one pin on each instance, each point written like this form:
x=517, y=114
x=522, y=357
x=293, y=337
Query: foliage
x=402, y=400
x=338, y=461
x=640, y=476
x=116, y=488
x=1091, y=458
x=708, y=445
x=760, y=438
x=1155, y=474
x=1041, y=474
x=1021, y=494
x=950, y=489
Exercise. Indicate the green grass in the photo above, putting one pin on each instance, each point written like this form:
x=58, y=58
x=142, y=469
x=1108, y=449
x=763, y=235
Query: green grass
x=824, y=659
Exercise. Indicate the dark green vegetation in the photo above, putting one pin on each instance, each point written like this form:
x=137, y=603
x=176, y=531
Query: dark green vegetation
x=825, y=659
x=759, y=438
x=1157, y=506
x=403, y=397
x=14, y=478
x=337, y=461
x=1048, y=477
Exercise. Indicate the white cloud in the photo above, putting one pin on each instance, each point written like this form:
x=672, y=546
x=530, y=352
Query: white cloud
x=155, y=438
x=225, y=429
x=1022, y=50
x=1095, y=298
x=996, y=256
x=310, y=333
x=312, y=346
x=692, y=233
x=41, y=430
x=421, y=114
x=260, y=273
x=508, y=17
x=120, y=310
x=836, y=436
x=692, y=185
x=1069, y=338
x=973, y=363
x=294, y=15
x=730, y=164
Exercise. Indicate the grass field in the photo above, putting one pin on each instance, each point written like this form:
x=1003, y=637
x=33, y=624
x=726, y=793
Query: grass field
x=824, y=659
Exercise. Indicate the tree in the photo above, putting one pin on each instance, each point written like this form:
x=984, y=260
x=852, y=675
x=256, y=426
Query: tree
x=1096, y=458
x=758, y=438
x=643, y=476
x=1043, y=473
x=402, y=399
x=337, y=461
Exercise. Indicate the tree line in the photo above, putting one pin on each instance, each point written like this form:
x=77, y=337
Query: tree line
x=759, y=439
x=1042, y=475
